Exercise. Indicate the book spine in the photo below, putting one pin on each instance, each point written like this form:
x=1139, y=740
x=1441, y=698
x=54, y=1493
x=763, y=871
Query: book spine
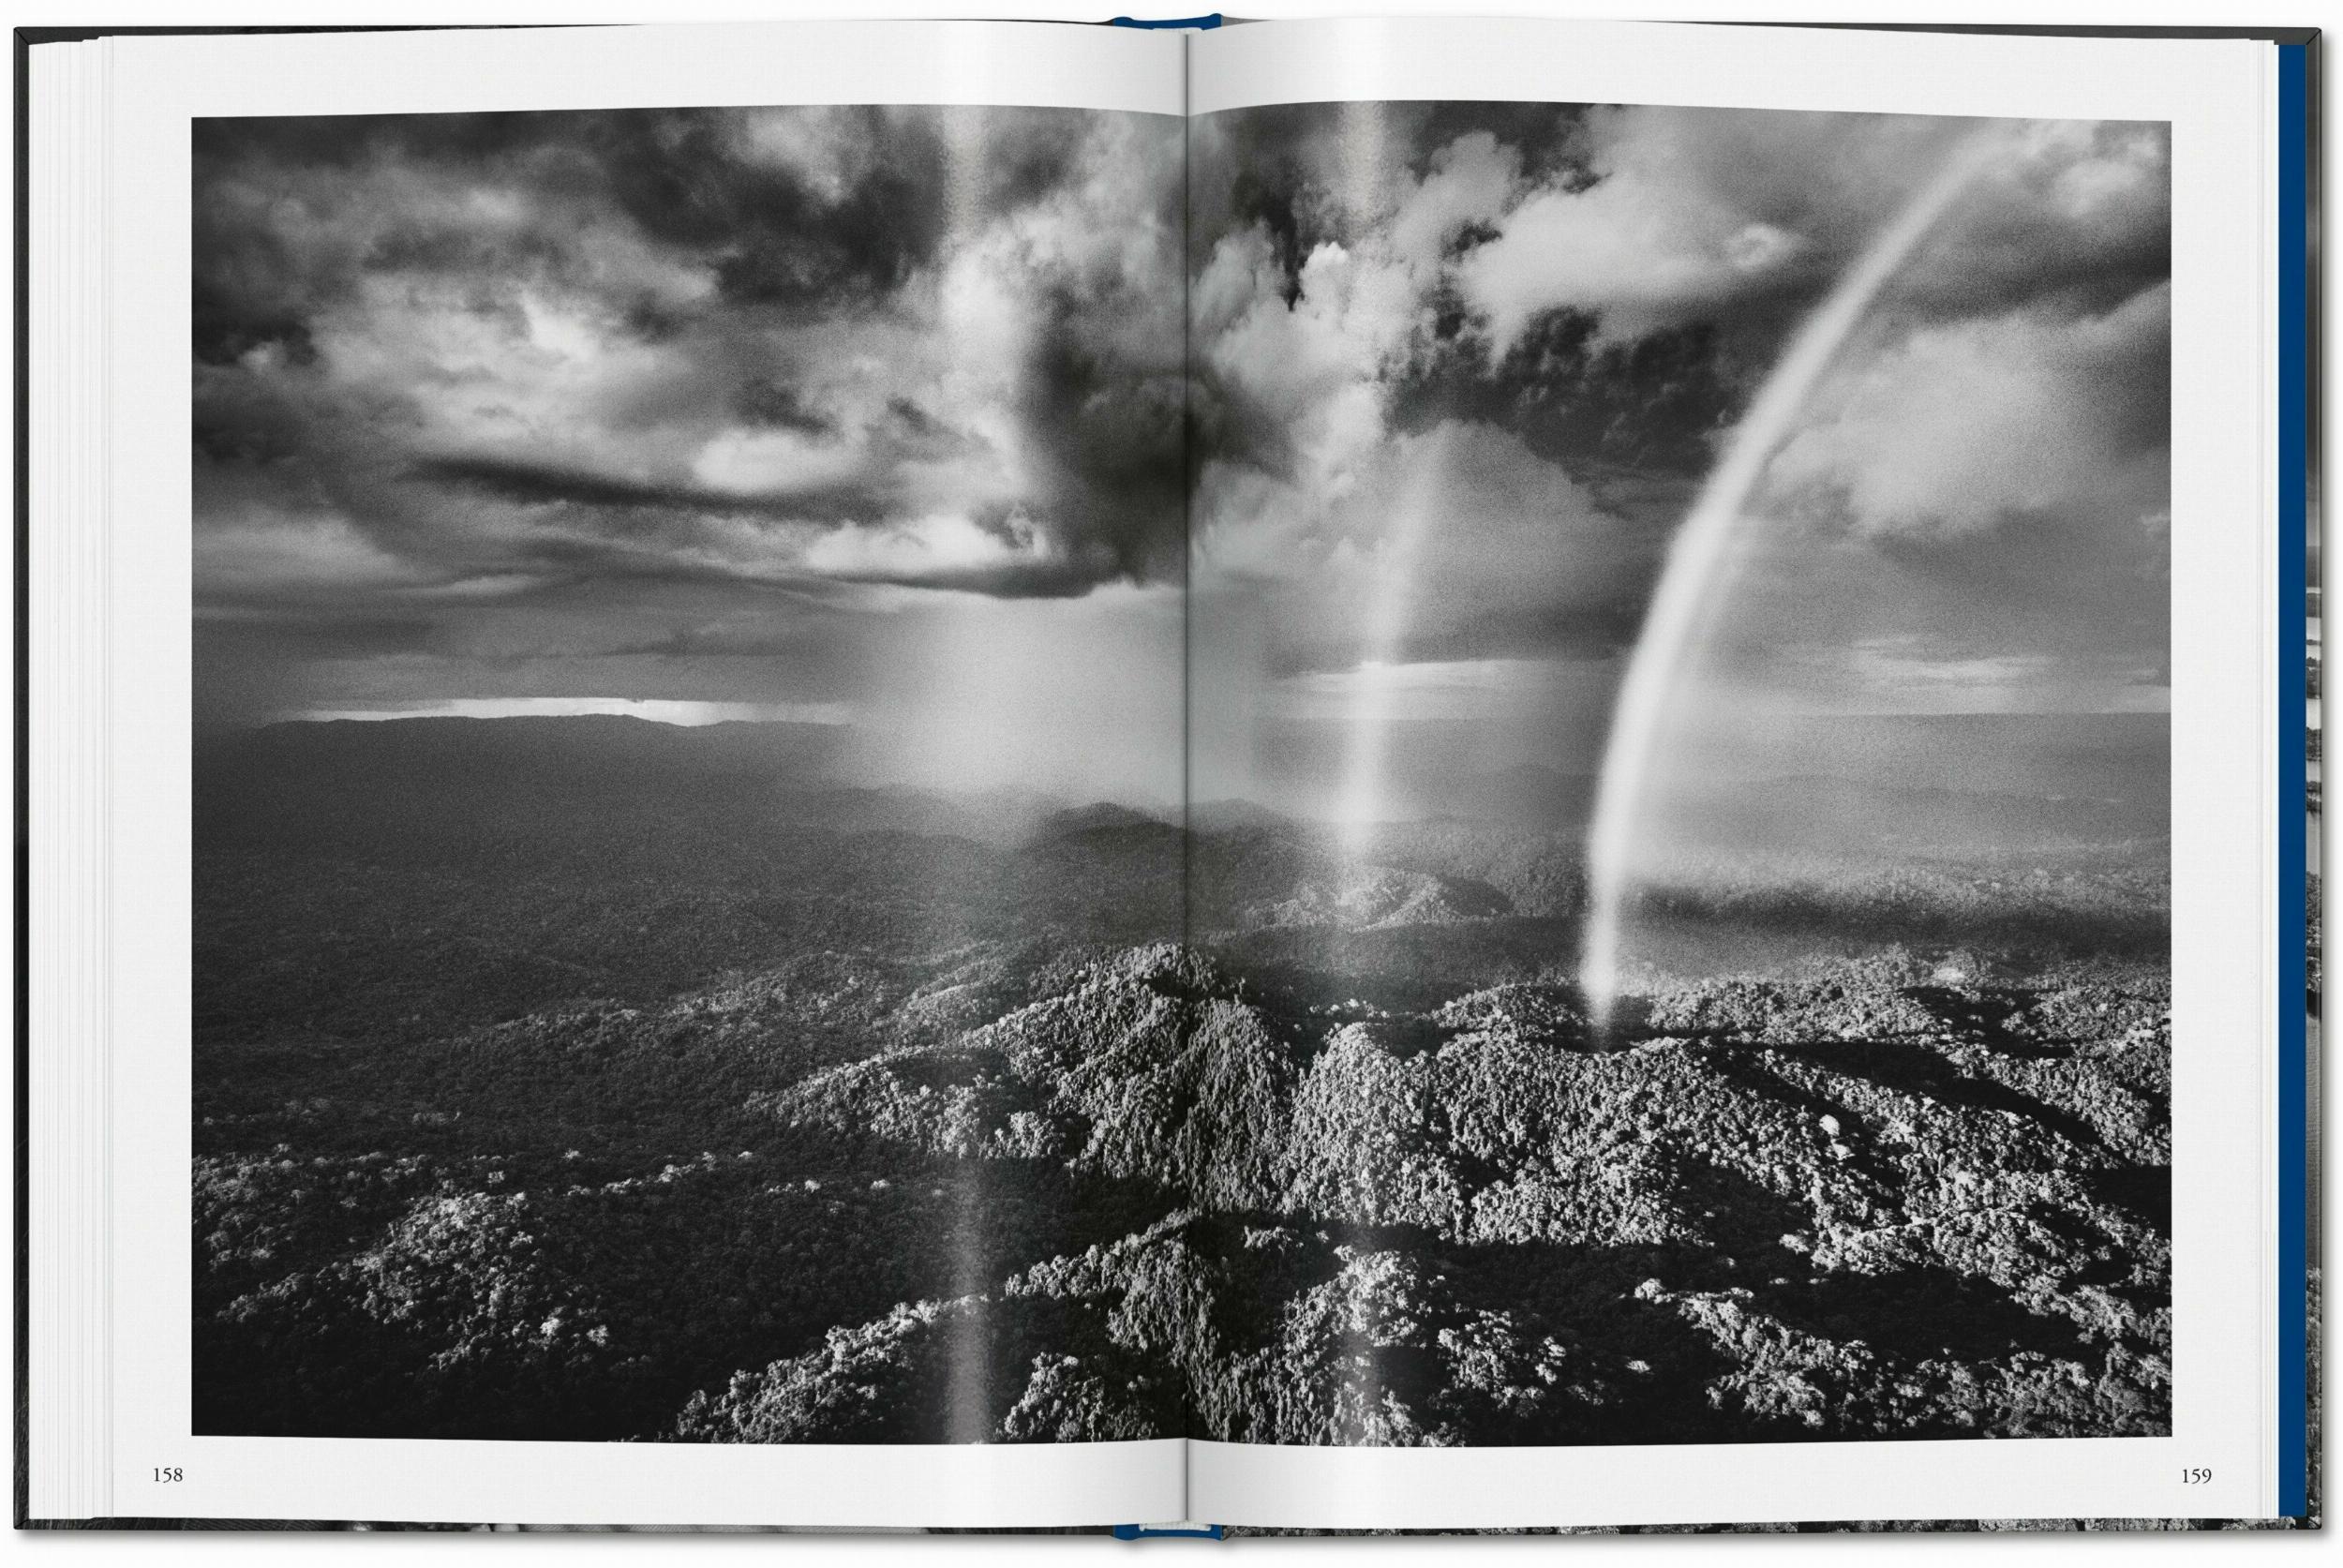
x=2296, y=1067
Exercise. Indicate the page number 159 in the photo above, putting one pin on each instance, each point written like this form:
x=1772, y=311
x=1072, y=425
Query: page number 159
x=2196, y=1476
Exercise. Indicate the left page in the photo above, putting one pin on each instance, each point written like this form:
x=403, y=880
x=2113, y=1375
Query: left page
x=649, y=706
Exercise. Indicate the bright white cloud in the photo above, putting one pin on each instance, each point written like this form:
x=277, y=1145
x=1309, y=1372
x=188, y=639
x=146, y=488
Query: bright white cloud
x=1960, y=426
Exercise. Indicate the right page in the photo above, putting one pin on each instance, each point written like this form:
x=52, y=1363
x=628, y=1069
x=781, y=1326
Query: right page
x=1728, y=805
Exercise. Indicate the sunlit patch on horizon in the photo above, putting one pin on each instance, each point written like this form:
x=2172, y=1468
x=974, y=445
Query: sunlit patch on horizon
x=658, y=711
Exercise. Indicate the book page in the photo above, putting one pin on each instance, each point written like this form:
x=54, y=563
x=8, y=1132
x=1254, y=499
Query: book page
x=648, y=705
x=1729, y=812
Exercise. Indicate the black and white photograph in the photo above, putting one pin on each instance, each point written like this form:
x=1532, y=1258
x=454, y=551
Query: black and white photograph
x=1383, y=773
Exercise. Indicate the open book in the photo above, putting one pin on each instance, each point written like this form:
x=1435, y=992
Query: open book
x=1320, y=775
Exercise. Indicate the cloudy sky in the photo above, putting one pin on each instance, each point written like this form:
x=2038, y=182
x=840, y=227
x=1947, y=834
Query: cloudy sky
x=1461, y=368
x=859, y=416
x=873, y=416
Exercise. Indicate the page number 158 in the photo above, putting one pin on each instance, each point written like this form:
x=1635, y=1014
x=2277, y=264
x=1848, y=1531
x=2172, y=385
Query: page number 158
x=2196, y=1476
x=166, y=1474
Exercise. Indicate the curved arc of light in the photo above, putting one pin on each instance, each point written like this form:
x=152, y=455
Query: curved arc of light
x=1702, y=546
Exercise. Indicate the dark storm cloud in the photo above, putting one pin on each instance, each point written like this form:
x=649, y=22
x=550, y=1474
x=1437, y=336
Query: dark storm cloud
x=1112, y=434
x=532, y=484
x=449, y=360
x=764, y=230
x=762, y=400
x=1650, y=406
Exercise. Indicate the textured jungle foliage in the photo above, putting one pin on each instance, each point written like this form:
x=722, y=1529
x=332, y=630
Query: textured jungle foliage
x=549, y=1087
